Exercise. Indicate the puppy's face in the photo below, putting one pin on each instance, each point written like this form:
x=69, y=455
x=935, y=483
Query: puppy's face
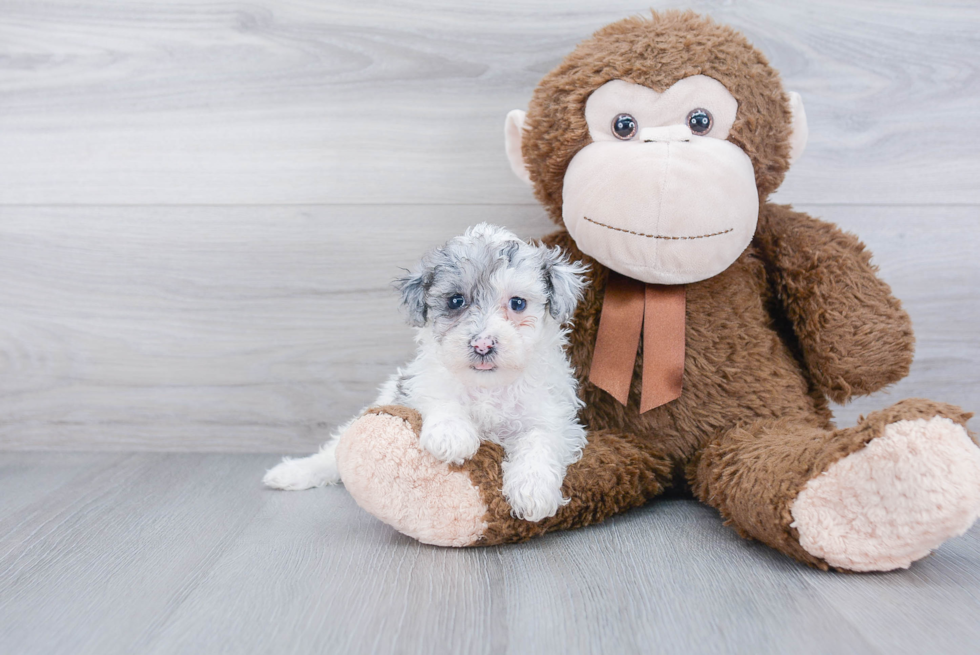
x=487, y=322
x=486, y=300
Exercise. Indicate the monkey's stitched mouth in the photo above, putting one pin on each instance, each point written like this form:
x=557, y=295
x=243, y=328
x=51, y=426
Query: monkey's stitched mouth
x=658, y=236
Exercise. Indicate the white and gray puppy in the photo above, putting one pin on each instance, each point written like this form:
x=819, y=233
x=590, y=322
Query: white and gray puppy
x=489, y=311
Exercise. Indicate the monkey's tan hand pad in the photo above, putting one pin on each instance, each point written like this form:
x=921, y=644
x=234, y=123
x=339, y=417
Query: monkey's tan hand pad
x=391, y=477
x=892, y=503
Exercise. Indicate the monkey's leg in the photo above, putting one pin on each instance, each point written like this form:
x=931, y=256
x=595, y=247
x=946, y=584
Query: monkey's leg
x=874, y=497
x=391, y=477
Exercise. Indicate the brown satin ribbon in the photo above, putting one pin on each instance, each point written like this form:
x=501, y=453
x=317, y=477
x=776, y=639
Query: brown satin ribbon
x=630, y=306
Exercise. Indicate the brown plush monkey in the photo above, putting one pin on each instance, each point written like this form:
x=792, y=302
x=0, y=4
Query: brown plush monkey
x=656, y=144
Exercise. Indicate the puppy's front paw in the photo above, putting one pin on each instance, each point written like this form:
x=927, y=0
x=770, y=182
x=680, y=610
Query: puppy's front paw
x=534, y=493
x=451, y=439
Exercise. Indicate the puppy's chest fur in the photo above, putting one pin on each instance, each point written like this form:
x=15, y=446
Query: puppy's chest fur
x=498, y=413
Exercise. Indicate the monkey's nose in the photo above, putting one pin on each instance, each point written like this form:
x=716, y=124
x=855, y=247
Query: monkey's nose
x=665, y=134
x=483, y=344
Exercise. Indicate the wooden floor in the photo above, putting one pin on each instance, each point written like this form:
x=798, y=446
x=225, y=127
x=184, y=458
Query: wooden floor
x=202, y=205
x=186, y=553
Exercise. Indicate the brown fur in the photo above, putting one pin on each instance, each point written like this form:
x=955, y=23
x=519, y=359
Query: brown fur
x=800, y=317
x=656, y=53
x=752, y=425
x=617, y=472
x=753, y=474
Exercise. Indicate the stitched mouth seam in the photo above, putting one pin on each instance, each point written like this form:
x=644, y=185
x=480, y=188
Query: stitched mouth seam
x=658, y=236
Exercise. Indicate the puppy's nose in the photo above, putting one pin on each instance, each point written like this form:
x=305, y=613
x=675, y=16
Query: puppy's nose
x=483, y=345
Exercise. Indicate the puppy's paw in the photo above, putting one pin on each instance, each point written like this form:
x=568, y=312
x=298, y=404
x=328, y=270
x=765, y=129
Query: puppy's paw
x=298, y=474
x=451, y=439
x=534, y=493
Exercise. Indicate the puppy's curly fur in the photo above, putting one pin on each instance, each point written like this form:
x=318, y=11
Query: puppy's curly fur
x=491, y=366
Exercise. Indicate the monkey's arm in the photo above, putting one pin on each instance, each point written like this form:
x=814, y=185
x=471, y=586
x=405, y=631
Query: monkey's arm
x=854, y=335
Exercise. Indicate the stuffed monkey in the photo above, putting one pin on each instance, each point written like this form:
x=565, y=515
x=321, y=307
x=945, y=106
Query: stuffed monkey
x=714, y=330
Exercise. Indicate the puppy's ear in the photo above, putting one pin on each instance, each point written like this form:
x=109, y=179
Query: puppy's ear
x=413, y=288
x=564, y=281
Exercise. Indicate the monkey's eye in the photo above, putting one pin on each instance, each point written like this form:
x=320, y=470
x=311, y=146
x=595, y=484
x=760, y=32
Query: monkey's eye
x=518, y=304
x=624, y=127
x=456, y=301
x=700, y=121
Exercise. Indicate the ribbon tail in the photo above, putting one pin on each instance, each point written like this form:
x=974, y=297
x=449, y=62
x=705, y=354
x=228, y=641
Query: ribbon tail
x=618, y=338
x=664, y=319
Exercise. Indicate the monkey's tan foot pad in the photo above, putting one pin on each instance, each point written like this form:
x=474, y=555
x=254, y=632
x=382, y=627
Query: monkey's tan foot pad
x=894, y=501
x=391, y=477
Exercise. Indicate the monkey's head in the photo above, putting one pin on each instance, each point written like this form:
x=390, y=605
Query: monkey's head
x=655, y=141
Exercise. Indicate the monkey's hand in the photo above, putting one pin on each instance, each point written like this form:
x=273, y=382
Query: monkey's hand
x=854, y=335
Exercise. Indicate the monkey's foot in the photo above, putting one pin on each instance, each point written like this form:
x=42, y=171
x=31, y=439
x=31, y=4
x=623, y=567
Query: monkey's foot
x=393, y=478
x=894, y=501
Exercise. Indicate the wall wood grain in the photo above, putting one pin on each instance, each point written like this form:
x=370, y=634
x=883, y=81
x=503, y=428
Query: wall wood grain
x=260, y=328
x=202, y=205
x=287, y=102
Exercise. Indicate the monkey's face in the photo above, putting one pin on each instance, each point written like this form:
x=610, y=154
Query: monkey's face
x=654, y=143
x=659, y=194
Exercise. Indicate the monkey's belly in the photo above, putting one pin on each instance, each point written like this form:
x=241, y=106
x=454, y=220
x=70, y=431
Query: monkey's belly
x=738, y=369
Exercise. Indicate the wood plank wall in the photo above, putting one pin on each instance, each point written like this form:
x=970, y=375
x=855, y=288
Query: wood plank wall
x=202, y=204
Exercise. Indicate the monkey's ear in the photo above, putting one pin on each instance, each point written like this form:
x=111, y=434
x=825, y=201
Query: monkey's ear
x=797, y=139
x=565, y=280
x=513, y=136
x=413, y=288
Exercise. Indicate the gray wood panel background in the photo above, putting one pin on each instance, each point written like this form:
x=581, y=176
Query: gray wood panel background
x=201, y=205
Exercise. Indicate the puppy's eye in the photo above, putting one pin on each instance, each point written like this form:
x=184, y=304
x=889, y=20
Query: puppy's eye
x=624, y=127
x=700, y=121
x=518, y=304
x=456, y=301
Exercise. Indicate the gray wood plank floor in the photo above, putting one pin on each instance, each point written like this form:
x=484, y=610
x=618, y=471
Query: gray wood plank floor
x=186, y=553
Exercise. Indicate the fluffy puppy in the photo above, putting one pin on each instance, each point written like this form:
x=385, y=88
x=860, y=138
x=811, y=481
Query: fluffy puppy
x=489, y=311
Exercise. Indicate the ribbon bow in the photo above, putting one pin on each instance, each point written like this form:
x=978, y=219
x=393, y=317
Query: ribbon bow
x=659, y=310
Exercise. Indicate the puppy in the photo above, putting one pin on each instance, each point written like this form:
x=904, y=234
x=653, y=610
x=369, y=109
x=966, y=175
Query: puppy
x=489, y=311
